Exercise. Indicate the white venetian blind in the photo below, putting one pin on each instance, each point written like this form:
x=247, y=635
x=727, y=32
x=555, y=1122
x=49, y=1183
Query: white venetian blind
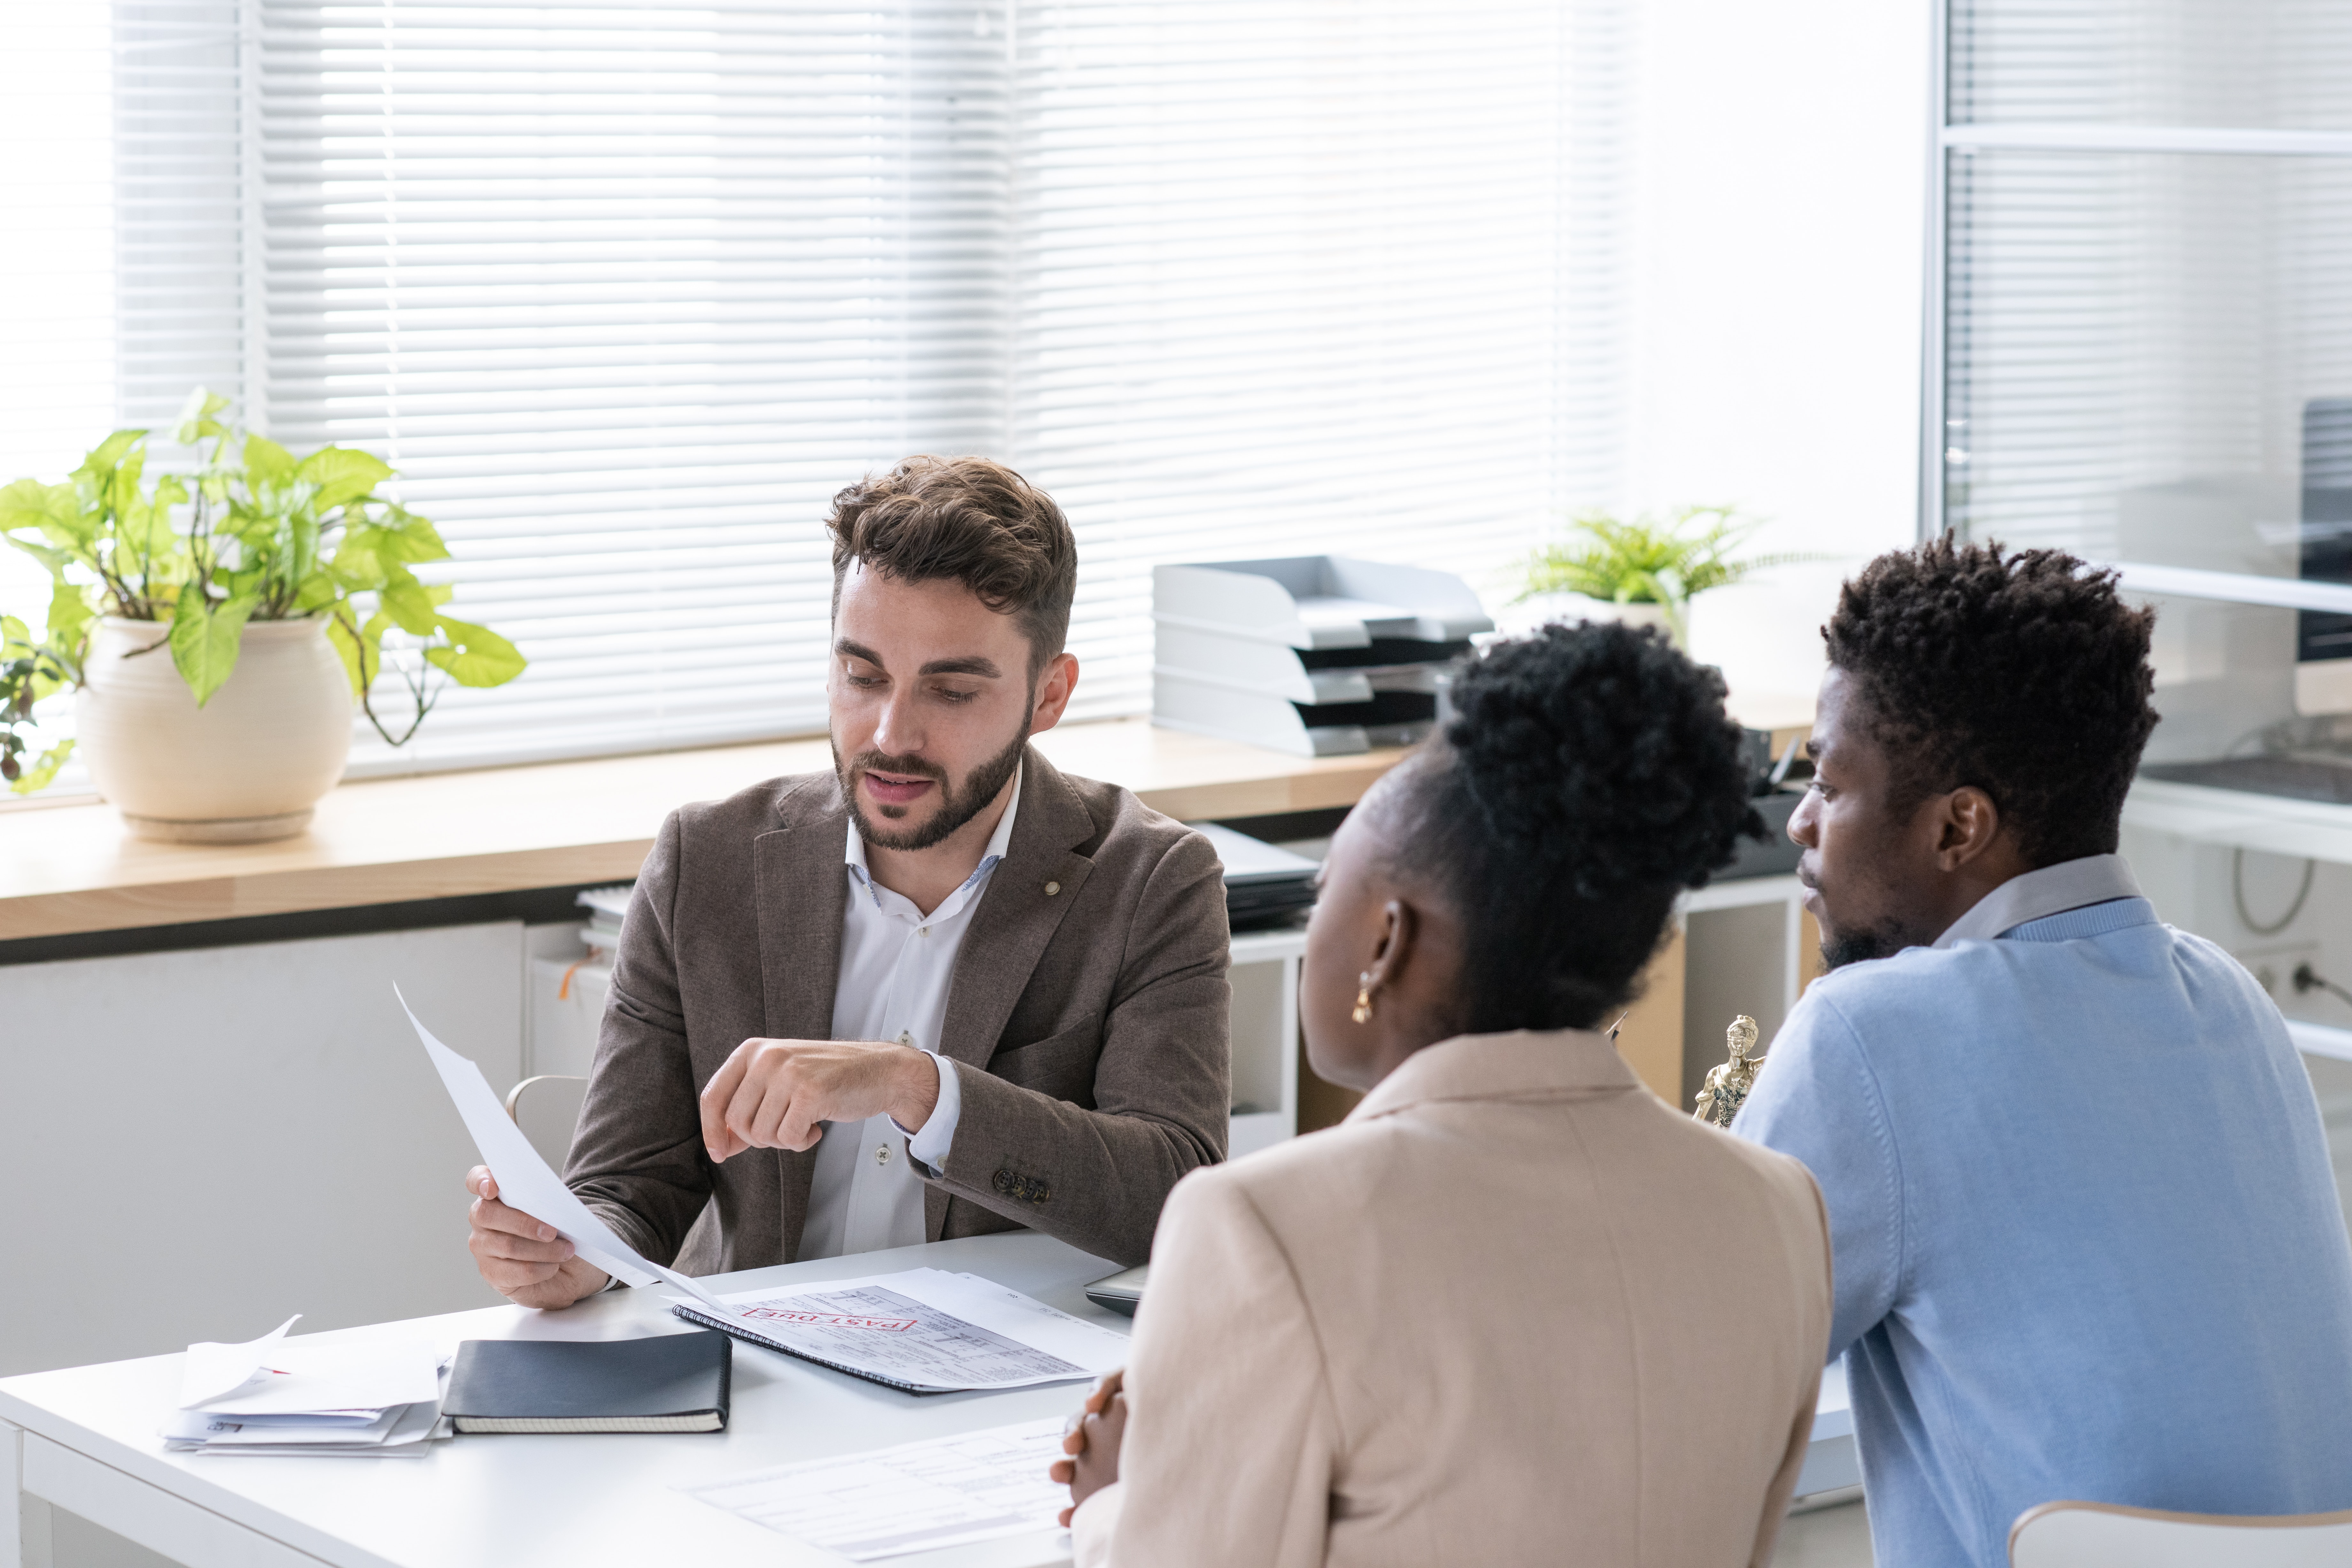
x=1306, y=275
x=626, y=293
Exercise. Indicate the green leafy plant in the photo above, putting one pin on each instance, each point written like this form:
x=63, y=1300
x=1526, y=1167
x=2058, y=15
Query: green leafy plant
x=253, y=533
x=29, y=672
x=1647, y=560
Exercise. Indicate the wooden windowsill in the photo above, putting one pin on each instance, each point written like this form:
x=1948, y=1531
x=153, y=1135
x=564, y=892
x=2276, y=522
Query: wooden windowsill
x=72, y=868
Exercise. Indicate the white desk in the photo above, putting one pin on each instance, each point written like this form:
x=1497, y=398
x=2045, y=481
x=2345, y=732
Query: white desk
x=85, y=1440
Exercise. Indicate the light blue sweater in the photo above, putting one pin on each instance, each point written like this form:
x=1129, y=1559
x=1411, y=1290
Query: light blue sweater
x=2087, y=1241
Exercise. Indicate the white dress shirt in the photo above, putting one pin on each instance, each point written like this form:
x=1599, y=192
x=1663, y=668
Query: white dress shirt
x=895, y=965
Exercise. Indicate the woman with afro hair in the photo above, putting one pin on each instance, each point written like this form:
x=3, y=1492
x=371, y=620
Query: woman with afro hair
x=1514, y=1309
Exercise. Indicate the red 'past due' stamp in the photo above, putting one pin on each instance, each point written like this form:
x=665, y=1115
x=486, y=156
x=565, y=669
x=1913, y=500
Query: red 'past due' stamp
x=831, y=1320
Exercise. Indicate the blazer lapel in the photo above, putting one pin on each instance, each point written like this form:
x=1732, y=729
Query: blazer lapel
x=1017, y=917
x=801, y=894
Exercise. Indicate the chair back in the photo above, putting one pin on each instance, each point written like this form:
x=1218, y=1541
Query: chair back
x=2102, y=1535
x=547, y=1108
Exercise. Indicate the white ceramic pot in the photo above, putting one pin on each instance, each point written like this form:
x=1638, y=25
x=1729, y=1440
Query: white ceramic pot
x=1631, y=614
x=1518, y=620
x=246, y=766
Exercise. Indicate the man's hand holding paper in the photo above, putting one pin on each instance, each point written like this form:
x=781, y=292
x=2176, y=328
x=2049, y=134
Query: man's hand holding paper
x=525, y=1258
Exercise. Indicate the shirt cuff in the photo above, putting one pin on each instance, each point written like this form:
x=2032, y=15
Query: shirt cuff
x=932, y=1144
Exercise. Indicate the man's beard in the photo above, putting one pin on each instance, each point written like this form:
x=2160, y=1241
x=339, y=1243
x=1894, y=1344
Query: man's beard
x=956, y=807
x=1882, y=941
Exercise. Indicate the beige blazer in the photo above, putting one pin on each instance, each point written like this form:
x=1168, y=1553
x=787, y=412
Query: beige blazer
x=1088, y=1023
x=1514, y=1309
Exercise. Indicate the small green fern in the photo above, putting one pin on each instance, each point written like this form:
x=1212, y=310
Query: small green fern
x=1649, y=562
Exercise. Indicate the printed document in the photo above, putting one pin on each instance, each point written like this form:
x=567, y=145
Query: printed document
x=525, y=1183
x=917, y=1497
x=923, y=1329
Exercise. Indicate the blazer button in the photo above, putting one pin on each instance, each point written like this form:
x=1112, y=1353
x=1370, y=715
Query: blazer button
x=1002, y=1182
x=1053, y=888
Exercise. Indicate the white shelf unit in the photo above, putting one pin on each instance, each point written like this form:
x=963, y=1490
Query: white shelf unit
x=1784, y=898
x=1745, y=944
x=1265, y=976
x=564, y=1002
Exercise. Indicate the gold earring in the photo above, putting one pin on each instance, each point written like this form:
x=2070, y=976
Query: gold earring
x=1363, y=1013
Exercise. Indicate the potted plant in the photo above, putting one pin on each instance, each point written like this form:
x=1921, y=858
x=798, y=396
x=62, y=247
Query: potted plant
x=1646, y=571
x=218, y=627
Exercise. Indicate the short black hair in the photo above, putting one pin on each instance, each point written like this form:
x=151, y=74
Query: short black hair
x=2023, y=673
x=1588, y=774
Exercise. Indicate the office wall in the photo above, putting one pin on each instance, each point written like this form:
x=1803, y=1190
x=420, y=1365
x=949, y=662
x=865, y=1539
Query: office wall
x=1780, y=168
x=198, y=1145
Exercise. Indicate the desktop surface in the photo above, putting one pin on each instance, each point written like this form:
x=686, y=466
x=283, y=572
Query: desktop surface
x=514, y=1500
x=90, y=1446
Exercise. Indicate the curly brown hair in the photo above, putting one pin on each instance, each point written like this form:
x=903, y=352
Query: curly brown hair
x=2021, y=673
x=971, y=520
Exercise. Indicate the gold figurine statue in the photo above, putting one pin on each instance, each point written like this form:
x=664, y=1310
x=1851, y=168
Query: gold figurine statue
x=1726, y=1086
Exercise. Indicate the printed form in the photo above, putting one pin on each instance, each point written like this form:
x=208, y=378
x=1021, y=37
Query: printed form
x=923, y=1329
x=944, y=1491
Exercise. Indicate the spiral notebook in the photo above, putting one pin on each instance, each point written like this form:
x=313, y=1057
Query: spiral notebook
x=923, y=1329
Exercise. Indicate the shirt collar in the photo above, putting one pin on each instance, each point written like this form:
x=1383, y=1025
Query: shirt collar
x=2050, y=891
x=1501, y=1067
x=998, y=843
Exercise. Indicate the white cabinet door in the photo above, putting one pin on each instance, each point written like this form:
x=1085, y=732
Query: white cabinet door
x=194, y=1145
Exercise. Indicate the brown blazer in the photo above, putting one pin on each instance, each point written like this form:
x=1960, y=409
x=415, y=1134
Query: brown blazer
x=1514, y=1309
x=1088, y=1027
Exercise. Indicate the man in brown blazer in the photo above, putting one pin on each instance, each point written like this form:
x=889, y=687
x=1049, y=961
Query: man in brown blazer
x=943, y=989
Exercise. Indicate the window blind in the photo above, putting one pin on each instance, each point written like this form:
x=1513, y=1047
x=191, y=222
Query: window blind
x=626, y=291
x=1302, y=276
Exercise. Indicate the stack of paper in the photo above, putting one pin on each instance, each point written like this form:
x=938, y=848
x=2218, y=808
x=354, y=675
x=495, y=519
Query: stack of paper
x=607, y=908
x=378, y=1397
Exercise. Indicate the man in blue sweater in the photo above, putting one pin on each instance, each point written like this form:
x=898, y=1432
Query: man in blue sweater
x=2088, y=1242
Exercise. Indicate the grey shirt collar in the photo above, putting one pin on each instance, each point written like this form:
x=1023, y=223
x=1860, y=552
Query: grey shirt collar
x=2051, y=891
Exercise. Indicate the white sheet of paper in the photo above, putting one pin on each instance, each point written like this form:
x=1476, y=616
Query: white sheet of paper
x=212, y=1369
x=403, y=1434
x=323, y=1374
x=206, y=1426
x=933, y=1329
x=917, y=1497
x=525, y=1181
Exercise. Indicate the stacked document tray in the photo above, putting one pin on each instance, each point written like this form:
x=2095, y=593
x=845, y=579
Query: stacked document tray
x=1318, y=655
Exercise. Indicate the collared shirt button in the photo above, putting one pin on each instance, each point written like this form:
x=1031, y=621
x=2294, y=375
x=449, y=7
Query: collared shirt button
x=882, y=1154
x=922, y=931
x=1053, y=888
x=906, y=1036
